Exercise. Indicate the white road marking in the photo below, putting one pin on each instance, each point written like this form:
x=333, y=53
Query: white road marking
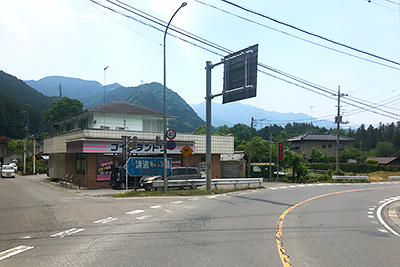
x=14, y=251
x=26, y=237
x=134, y=212
x=143, y=217
x=383, y=231
x=177, y=202
x=378, y=214
x=370, y=212
x=370, y=216
x=155, y=207
x=68, y=232
x=371, y=208
x=106, y=220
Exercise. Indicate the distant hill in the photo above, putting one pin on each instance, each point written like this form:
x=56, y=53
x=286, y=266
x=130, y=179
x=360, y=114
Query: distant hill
x=234, y=113
x=91, y=94
x=20, y=104
x=71, y=87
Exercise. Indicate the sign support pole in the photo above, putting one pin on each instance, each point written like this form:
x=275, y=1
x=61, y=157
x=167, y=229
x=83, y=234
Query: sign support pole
x=208, y=125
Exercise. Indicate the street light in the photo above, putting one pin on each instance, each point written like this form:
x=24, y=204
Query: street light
x=165, y=107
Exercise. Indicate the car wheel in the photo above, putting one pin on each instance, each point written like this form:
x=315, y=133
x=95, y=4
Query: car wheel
x=122, y=185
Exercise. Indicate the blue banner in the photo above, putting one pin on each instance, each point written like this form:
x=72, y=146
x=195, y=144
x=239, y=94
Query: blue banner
x=147, y=166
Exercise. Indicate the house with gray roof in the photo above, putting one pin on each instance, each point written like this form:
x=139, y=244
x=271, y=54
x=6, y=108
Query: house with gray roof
x=117, y=115
x=326, y=143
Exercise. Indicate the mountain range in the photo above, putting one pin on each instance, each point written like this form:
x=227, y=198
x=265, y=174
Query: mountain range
x=92, y=93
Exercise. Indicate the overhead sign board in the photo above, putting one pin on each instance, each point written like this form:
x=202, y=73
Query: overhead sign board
x=147, y=166
x=240, y=75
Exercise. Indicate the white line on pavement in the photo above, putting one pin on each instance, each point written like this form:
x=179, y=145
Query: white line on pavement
x=134, y=212
x=378, y=214
x=68, y=232
x=14, y=251
x=106, y=220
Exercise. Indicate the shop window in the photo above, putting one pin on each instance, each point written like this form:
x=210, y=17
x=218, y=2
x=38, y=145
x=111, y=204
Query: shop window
x=330, y=146
x=80, y=163
x=341, y=146
x=323, y=145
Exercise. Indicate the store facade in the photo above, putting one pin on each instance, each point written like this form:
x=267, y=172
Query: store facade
x=86, y=155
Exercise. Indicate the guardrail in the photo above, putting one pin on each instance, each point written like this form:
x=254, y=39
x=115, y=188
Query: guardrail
x=236, y=181
x=337, y=177
x=201, y=182
x=394, y=177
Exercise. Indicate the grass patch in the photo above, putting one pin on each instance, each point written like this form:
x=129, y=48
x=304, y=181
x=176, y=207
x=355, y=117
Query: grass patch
x=196, y=192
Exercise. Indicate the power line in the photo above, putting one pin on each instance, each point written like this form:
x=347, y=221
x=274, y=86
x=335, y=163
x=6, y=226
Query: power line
x=308, y=32
x=87, y=1
x=383, y=6
x=316, y=88
x=294, y=36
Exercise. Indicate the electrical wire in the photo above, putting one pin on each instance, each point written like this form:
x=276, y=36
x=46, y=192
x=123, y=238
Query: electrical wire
x=316, y=88
x=308, y=32
x=294, y=36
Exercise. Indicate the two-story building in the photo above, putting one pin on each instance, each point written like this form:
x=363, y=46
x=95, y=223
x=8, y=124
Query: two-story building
x=326, y=143
x=90, y=143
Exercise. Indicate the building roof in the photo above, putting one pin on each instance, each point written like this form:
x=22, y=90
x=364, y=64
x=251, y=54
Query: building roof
x=126, y=108
x=320, y=137
x=382, y=160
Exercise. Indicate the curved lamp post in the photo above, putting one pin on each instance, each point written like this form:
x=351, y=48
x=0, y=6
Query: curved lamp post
x=165, y=107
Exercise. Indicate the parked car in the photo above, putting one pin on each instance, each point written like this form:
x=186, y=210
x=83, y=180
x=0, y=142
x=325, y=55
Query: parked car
x=7, y=171
x=183, y=174
x=14, y=165
x=118, y=178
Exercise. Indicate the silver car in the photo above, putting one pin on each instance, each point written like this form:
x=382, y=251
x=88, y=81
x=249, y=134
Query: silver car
x=7, y=171
x=181, y=177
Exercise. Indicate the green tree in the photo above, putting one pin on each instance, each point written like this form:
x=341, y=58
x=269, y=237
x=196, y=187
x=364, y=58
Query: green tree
x=296, y=162
x=383, y=149
x=316, y=155
x=200, y=130
x=62, y=108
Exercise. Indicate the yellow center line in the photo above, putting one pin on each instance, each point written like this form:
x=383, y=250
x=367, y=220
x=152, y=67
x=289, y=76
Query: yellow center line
x=279, y=226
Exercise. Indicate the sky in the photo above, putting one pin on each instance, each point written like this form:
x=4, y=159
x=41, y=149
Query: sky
x=79, y=38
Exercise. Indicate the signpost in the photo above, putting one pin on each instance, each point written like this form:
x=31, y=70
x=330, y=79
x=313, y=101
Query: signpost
x=240, y=82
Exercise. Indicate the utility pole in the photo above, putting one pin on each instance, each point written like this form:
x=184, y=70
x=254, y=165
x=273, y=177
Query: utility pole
x=338, y=121
x=60, y=89
x=251, y=137
x=270, y=156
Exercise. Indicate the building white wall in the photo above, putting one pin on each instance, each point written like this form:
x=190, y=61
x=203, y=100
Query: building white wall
x=57, y=166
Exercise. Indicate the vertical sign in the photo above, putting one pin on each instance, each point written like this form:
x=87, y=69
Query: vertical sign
x=280, y=150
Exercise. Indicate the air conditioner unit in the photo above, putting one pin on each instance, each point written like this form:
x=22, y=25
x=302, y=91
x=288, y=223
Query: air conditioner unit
x=105, y=127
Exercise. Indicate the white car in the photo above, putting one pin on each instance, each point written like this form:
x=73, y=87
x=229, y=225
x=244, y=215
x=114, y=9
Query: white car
x=7, y=171
x=14, y=165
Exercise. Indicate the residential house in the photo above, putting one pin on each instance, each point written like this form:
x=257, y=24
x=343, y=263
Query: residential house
x=326, y=143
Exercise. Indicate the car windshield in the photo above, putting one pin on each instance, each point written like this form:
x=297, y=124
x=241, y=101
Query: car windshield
x=8, y=167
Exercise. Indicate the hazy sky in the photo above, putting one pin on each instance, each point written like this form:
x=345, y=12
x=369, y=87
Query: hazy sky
x=77, y=38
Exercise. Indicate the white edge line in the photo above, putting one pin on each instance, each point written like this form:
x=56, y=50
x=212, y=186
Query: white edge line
x=378, y=214
x=14, y=251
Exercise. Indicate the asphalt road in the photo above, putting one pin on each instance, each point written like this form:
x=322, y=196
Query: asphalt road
x=43, y=224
